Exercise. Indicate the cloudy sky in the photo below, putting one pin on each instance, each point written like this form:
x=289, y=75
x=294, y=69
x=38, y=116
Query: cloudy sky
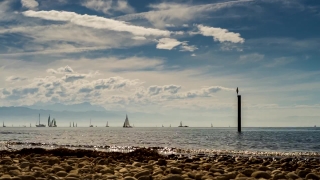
x=181, y=59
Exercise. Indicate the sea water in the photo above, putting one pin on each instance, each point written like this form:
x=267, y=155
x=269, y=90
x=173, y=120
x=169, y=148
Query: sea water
x=265, y=140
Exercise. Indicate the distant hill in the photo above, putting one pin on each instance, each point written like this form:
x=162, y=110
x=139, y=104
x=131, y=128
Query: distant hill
x=25, y=116
x=28, y=115
x=86, y=106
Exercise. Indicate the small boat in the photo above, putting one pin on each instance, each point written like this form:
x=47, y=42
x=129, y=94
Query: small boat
x=40, y=125
x=90, y=124
x=315, y=126
x=170, y=125
x=126, y=123
x=211, y=125
x=162, y=125
x=3, y=124
x=182, y=125
x=107, y=124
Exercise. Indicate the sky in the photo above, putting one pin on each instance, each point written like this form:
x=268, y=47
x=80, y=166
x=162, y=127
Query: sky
x=181, y=59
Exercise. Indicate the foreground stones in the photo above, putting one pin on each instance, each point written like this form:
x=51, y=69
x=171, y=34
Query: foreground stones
x=146, y=165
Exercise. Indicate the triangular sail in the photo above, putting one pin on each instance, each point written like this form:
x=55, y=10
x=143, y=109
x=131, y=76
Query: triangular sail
x=126, y=122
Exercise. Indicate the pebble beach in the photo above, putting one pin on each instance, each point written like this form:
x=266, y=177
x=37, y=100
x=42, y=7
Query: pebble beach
x=147, y=164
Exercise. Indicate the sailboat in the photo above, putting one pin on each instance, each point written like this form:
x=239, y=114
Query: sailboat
x=181, y=125
x=126, y=123
x=107, y=124
x=90, y=124
x=170, y=125
x=162, y=125
x=3, y=125
x=40, y=125
x=52, y=123
x=211, y=125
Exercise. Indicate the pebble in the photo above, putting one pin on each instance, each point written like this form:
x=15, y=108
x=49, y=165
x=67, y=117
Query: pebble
x=37, y=167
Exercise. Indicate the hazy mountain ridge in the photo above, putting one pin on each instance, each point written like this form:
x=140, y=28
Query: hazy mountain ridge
x=86, y=106
x=25, y=116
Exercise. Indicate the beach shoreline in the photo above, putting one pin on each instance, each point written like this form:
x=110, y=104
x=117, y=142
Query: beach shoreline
x=144, y=163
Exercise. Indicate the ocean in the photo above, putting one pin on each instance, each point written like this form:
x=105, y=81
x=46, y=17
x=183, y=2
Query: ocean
x=263, y=140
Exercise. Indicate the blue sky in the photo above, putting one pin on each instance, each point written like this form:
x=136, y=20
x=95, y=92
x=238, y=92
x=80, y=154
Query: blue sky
x=182, y=59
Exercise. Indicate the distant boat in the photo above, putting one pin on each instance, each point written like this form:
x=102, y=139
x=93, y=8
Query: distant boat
x=52, y=123
x=162, y=125
x=126, y=123
x=90, y=124
x=211, y=125
x=182, y=125
x=315, y=126
x=107, y=124
x=3, y=124
x=76, y=125
x=40, y=125
x=170, y=125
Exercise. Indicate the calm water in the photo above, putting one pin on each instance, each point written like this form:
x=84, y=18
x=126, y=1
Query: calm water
x=251, y=139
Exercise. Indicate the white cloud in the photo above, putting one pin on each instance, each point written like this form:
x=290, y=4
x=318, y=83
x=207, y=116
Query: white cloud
x=61, y=70
x=249, y=58
x=203, y=92
x=122, y=5
x=155, y=90
x=186, y=47
x=167, y=43
x=193, y=55
x=185, y=25
x=31, y=4
x=15, y=79
x=96, y=22
x=219, y=34
x=74, y=77
x=108, y=6
x=139, y=38
x=170, y=25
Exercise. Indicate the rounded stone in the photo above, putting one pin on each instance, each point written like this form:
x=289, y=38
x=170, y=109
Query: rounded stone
x=261, y=174
x=61, y=174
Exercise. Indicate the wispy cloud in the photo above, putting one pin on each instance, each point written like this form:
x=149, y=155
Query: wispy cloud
x=280, y=62
x=166, y=13
x=219, y=34
x=167, y=43
x=61, y=70
x=186, y=47
x=15, y=79
x=96, y=22
x=250, y=58
x=108, y=6
x=30, y=4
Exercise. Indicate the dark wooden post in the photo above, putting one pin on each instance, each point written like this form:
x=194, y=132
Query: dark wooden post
x=239, y=113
